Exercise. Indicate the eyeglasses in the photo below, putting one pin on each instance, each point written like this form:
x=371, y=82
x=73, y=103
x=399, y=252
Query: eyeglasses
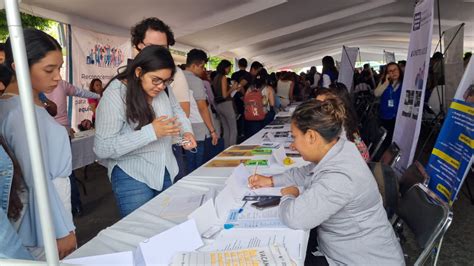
x=158, y=81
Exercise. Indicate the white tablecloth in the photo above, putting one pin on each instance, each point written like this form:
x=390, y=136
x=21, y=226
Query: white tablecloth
x=147, y=221
x=81, y=148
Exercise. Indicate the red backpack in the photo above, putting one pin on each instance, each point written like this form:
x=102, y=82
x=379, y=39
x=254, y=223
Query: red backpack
x=253, y=102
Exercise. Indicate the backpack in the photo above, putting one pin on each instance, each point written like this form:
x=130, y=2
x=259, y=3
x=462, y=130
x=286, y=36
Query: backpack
x=253, y=103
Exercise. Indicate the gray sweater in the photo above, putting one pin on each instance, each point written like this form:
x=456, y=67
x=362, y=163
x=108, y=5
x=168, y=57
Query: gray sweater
x=342, y=200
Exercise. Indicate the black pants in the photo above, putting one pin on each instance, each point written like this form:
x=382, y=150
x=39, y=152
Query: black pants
x=389, y=125
x=310, y=259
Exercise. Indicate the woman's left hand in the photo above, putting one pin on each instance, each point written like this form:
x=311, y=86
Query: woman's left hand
x=189, y=137
x=294, y=191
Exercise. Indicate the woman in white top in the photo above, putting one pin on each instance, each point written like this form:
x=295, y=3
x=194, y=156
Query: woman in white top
x=135, y=123
x=285, y=88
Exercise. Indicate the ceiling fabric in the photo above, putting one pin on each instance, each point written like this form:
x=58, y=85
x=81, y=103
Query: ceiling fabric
x=279, y=33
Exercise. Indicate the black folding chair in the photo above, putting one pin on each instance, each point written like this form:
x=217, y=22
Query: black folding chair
x=391, y=155
x=377, y=140
x=428, y=217
x=413, y=175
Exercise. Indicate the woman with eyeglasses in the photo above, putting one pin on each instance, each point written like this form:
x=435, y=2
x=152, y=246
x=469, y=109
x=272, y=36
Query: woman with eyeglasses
x=389, y=90
x=135, y=123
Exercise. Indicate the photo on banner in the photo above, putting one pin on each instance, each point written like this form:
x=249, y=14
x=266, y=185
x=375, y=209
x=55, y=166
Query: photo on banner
x=94, y=55
x=452, y=155
x=389, y=57
x=410, y=109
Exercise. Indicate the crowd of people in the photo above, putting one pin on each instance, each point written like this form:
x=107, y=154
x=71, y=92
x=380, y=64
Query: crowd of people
x=156, y=122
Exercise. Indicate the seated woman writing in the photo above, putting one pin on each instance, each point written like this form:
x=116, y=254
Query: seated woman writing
x=340, y=198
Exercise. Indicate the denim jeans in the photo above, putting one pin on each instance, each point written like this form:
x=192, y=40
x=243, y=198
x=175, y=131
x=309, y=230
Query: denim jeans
x=211, y=151
x=252, y=127
x=194, y=160
x=130, y=193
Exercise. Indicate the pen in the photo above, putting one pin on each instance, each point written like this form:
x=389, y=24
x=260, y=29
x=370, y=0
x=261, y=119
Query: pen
x=242, y=208
x=255, y=171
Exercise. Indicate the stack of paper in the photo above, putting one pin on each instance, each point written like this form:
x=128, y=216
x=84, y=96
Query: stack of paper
x=236, y=239
x=273, y=255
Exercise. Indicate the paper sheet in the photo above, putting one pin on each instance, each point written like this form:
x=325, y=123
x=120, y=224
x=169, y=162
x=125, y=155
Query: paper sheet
x=205, y=216
x=239, y=176
x=251, y=217
x=160, y=249
x=119, y=258
x=272, y=255
x=234, y=239
x=180, y=206
x=278, y=156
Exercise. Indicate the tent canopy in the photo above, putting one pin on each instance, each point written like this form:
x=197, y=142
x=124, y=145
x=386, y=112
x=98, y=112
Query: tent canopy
x=279, y=33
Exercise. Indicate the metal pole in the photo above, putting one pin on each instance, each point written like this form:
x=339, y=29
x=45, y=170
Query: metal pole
x=28, y=107
x=443, y=99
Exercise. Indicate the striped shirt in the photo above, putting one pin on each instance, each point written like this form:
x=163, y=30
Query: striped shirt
x=140, y=153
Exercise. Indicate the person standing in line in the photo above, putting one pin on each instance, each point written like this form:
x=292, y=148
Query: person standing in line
x=153, y=31
x=201, y=119
x=136, y=121
x=222, y=98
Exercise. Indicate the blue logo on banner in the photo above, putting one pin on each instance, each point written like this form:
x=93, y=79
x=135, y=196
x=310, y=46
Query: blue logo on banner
x=417, y=21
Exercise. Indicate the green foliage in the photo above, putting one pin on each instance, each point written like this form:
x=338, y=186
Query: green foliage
x=28, y=21
x=213, y=62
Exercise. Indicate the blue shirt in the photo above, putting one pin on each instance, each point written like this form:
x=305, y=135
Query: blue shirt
x=139, y=153
x=386, y=111
x=56, y=151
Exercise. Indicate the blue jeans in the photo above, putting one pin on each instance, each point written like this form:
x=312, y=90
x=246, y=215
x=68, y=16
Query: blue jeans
x=252, y=127
x=130, y=193
x=195, y=160
x=212, y=151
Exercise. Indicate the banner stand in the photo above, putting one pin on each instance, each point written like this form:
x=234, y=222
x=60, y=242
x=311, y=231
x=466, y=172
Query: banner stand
x=436, y=122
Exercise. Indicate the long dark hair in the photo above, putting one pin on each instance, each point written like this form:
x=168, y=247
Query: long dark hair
x=37, y=44
x=150, y=58
x=260, y=80
x=222, y=66
x=329, y=65
x=351, y=121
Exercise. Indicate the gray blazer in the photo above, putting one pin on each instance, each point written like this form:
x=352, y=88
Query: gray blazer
x=342, y=200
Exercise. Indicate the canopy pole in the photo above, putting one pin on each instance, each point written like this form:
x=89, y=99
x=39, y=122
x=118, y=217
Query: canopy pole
x=28, y=108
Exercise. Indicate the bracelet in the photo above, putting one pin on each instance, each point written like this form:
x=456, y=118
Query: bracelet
x=213, y=131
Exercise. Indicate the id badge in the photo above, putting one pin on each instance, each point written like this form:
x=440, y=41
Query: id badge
x=391, y=103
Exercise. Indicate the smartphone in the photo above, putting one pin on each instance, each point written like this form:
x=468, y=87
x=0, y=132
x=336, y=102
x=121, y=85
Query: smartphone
x=266, y=203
